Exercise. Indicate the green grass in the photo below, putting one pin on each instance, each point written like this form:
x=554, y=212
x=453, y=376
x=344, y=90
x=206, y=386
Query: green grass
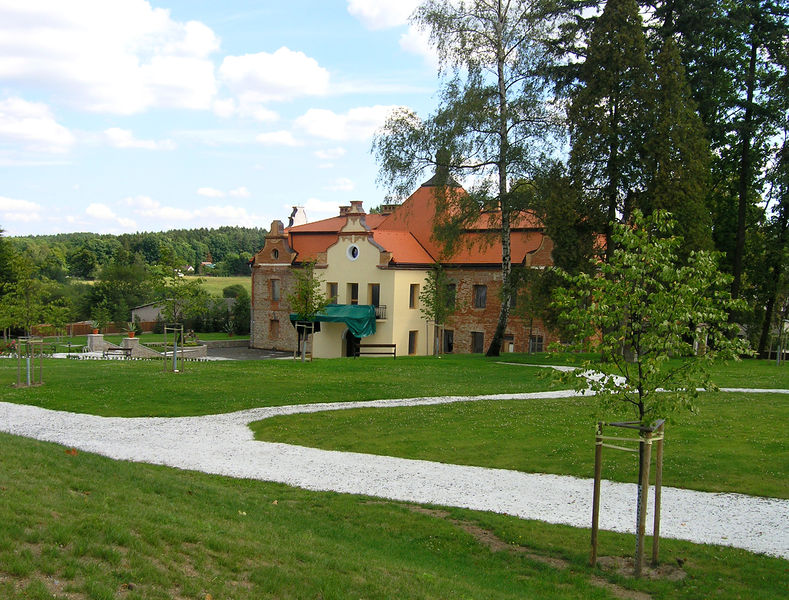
x=215, y=285
x=142, y=388
x=729, y=446
x=86, y=527
x=747, y=373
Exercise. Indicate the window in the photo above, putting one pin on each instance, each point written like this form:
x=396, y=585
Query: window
x=352, y=252
x=331, y=293
x=413, y=295
x=535, y=343
x=508, y=344
x=275, y=254
x=449, y=340
x=452, y=290
x=275, y=290
x=353, y=293
x=477, y=342
x=412, y=342
x=374, y=294
x=273, y=329
x=480, y=296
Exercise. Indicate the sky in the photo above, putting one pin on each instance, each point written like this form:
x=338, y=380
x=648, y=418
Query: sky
x=119, y=116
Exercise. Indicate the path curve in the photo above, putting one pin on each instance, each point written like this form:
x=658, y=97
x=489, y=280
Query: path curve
x=224, y=445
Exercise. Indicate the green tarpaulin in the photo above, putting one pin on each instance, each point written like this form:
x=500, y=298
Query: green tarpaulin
x=360, y=318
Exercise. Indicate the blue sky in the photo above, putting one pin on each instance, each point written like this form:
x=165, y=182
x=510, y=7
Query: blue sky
x=145, y=115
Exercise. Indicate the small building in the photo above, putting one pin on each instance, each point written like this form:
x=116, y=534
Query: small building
x=382, y=260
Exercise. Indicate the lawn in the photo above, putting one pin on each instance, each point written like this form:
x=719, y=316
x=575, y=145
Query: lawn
x=215, y=285
x=727, y=447
x=80, y=526
x=142, y=388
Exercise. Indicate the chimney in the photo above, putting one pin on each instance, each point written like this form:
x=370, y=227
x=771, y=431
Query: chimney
x=297, y=217
x=356, y=207
x=344, y=210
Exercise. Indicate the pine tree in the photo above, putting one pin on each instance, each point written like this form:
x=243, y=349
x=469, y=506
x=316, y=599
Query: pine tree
x=607, y=115
x=678, y=154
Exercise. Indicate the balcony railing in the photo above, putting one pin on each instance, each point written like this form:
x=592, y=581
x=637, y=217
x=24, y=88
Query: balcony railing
x=380, y=312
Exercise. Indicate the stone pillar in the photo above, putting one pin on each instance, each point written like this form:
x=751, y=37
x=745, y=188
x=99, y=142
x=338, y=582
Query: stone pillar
x=96, y=342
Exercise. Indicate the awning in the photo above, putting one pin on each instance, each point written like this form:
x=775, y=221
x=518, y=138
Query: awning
x=360, y=318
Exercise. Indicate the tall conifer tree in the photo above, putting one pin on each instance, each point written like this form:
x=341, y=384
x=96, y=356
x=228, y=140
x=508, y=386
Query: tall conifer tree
x=607, y=114
x=678, y=154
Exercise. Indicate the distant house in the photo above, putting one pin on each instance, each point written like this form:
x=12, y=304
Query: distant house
x=147, y=313
x=382, y=260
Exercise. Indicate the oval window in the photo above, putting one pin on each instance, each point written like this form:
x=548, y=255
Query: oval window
x=275, y=254
x=353, y=252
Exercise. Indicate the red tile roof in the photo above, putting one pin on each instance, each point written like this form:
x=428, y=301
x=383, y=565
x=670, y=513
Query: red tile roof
x=408, y=234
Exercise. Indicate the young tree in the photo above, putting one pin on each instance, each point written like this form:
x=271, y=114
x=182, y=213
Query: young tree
x=643, y=310
x=492, y=122
x=437, y=301
x=307, y=299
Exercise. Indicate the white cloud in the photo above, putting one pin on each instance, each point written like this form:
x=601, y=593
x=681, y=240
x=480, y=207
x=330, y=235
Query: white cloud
x=264, y=77
x=167, y=217
x=102, y=212
x=120, y=57
x=240, y=192
x=246, y=107
x=19, y=211
x=381, y=14
x=330, y=153
x=278, y=138
x=417, y=41
x=357, y=124
x=210, y=192
x=123, y=138
x=322, y=208
x=31, y=126
x=341, y=184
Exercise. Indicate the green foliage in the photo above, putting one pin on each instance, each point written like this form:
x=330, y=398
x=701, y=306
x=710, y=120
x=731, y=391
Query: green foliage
x=437, y=299
x=242, y=313
x=608, y=114
x=234, y=291
x=643, y=309
x=182, y=298
x=678, y=154
x=492, y=122
x=307, y=298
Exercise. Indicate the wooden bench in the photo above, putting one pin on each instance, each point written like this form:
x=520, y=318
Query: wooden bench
x=381, y=349
x=124, y=352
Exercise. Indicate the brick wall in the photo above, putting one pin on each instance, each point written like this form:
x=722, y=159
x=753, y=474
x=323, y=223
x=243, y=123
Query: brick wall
x=469, y=319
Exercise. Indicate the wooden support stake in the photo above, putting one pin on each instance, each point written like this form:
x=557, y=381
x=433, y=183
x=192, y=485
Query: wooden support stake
x=598, y=469
x=658, y=486
x=646, y=446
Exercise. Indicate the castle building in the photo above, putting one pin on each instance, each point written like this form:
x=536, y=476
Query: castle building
x=382, y=261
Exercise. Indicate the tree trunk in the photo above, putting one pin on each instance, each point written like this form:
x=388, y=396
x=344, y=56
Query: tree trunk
x=745, y=170
x=506, y=267
x=777, y=269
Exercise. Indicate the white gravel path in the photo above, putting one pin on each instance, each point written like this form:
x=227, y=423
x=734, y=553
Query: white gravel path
x=223, y=444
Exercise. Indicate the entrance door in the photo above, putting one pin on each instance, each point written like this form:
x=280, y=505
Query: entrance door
x=350, y=344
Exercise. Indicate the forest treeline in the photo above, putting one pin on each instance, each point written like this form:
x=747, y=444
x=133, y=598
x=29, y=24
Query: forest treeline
x=68, y=277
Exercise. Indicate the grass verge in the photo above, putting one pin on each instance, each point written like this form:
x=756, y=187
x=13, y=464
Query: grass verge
x=80, y=526
x=142, y=388
x=729, y=446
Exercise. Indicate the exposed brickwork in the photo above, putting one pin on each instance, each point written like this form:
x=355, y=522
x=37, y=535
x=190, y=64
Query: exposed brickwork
x=468, y=319
x=271, y=328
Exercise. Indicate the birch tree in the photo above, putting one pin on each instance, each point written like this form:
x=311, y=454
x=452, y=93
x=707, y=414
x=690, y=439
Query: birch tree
x=491, y=125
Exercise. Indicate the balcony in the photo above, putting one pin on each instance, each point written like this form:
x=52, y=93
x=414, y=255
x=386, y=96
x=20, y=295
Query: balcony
x=380, y=312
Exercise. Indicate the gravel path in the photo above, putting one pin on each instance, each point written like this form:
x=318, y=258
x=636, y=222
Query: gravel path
x=223, y=444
